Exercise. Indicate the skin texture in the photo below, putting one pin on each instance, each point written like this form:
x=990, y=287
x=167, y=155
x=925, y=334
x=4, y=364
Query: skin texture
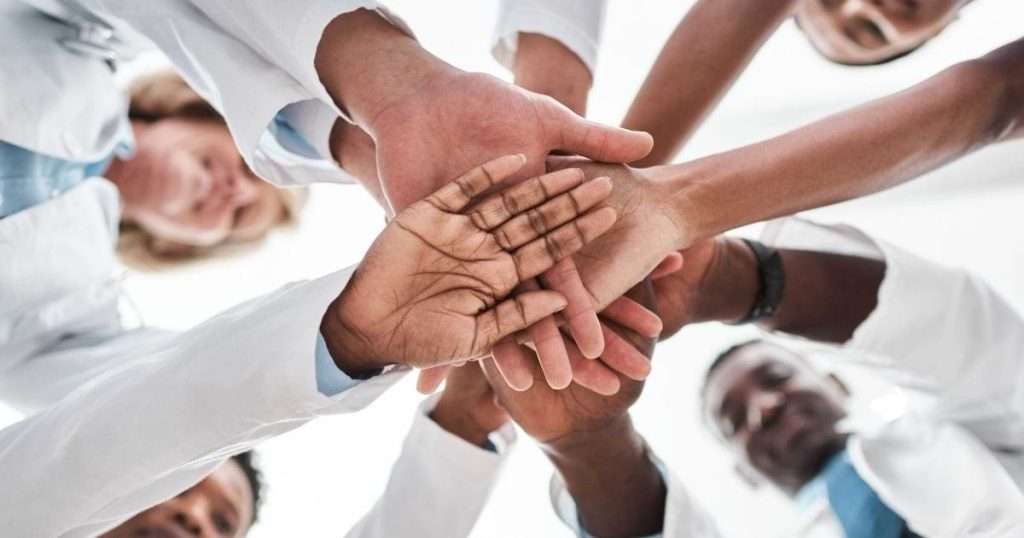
x=450, y=260
x=864, y=32
x=219, y=506
x=187, y=184
x=591, y=441
x=416, y=108
x=467, y=407
x=776, y=413
x=950, y=115
x=702, y=58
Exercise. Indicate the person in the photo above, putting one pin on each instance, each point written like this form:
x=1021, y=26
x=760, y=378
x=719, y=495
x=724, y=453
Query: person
x=457, y=425
x=356, y=62
x=107, y=405
x=941, y=455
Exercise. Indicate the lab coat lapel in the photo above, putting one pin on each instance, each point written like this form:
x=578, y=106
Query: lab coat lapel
x=940, y=479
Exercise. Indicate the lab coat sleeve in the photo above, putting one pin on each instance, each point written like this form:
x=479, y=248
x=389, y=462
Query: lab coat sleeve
x=577, y=24
x=684, y=518
x=250, y=59
x=936, y=329
x=152, y=426
x=456, y=476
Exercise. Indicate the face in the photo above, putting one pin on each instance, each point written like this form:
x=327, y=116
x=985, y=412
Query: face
x=187, y=184
x=776, y=412
x=870, y=31
x=219, y=506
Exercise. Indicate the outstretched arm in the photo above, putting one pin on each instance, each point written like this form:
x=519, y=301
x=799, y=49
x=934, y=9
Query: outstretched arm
x=854, y=153
x=703, y=57
x=864, y=150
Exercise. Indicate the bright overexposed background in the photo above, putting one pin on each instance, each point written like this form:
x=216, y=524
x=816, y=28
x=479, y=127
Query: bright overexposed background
x=323, y=477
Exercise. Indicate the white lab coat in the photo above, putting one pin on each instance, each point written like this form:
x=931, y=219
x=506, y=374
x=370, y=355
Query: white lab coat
x=952, y=463
x=122, y=419
x=576, y=24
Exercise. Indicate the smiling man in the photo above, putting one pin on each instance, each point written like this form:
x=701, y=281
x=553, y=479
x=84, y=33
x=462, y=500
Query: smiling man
x=942, y=457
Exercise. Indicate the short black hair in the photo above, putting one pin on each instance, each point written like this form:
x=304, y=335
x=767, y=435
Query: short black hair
x=727, y=354
x=247, y=461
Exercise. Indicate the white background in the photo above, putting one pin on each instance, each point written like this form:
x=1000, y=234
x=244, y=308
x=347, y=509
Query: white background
x=323, y=477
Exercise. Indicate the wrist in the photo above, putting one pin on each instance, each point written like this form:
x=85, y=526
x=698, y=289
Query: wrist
x=729, y=288
x=454, y=419
x=346, y=345
x=580, y=450
x=545, y=66
x=368, y=65
x=618, y=490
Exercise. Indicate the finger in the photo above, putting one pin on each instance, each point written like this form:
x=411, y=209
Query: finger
x=515, y=314
x=550, y=348
x=672, y=263
x=512, y=361
x=594, y=140
x=536, y=222
x=633, y=316
x=541, y=254
x=502, y=206
x=456, y=195
x=431, y=378
x=622, y=357
x=591, y=374
x=579, y=314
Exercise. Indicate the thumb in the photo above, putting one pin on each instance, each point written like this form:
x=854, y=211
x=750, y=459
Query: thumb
x=595, y=140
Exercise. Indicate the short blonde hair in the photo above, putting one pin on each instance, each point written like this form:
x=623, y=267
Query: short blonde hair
x=164, y=94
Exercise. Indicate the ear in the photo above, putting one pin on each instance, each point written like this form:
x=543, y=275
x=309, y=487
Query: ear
x=750, y=476
x=838, y=384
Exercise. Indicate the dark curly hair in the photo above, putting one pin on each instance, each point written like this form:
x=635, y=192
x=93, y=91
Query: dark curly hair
x=247, y=461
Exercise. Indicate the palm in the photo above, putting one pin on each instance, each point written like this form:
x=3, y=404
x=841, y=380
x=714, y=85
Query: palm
x=458, y=272
x=432, y=289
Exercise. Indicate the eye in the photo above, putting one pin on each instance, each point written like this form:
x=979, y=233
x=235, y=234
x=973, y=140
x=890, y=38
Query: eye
x=223, y=524
x=775, y=376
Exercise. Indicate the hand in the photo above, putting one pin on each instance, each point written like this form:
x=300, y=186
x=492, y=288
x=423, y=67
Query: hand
x=430, y=121
x=467, y=408
x=468, y=118
x=645, y=234
x=591, y=441
x=428, y=290
x=550, y=415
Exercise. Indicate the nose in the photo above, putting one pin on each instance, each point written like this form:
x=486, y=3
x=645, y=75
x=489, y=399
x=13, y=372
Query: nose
x=192, y=514
x=763, y=409
x=239, y=188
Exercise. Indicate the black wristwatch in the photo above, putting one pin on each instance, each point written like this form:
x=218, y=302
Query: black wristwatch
x=771, y=279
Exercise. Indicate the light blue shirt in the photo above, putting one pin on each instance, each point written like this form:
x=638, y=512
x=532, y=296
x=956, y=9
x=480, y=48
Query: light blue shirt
x=28, y=179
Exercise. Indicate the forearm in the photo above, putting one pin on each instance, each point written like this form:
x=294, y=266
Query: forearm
x=545, y=66
x=854, y=153
x=617, y=489
x=701, y=60
x=826, y=296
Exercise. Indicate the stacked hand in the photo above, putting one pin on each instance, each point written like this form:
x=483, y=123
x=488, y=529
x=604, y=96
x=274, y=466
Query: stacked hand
x=434, y=287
